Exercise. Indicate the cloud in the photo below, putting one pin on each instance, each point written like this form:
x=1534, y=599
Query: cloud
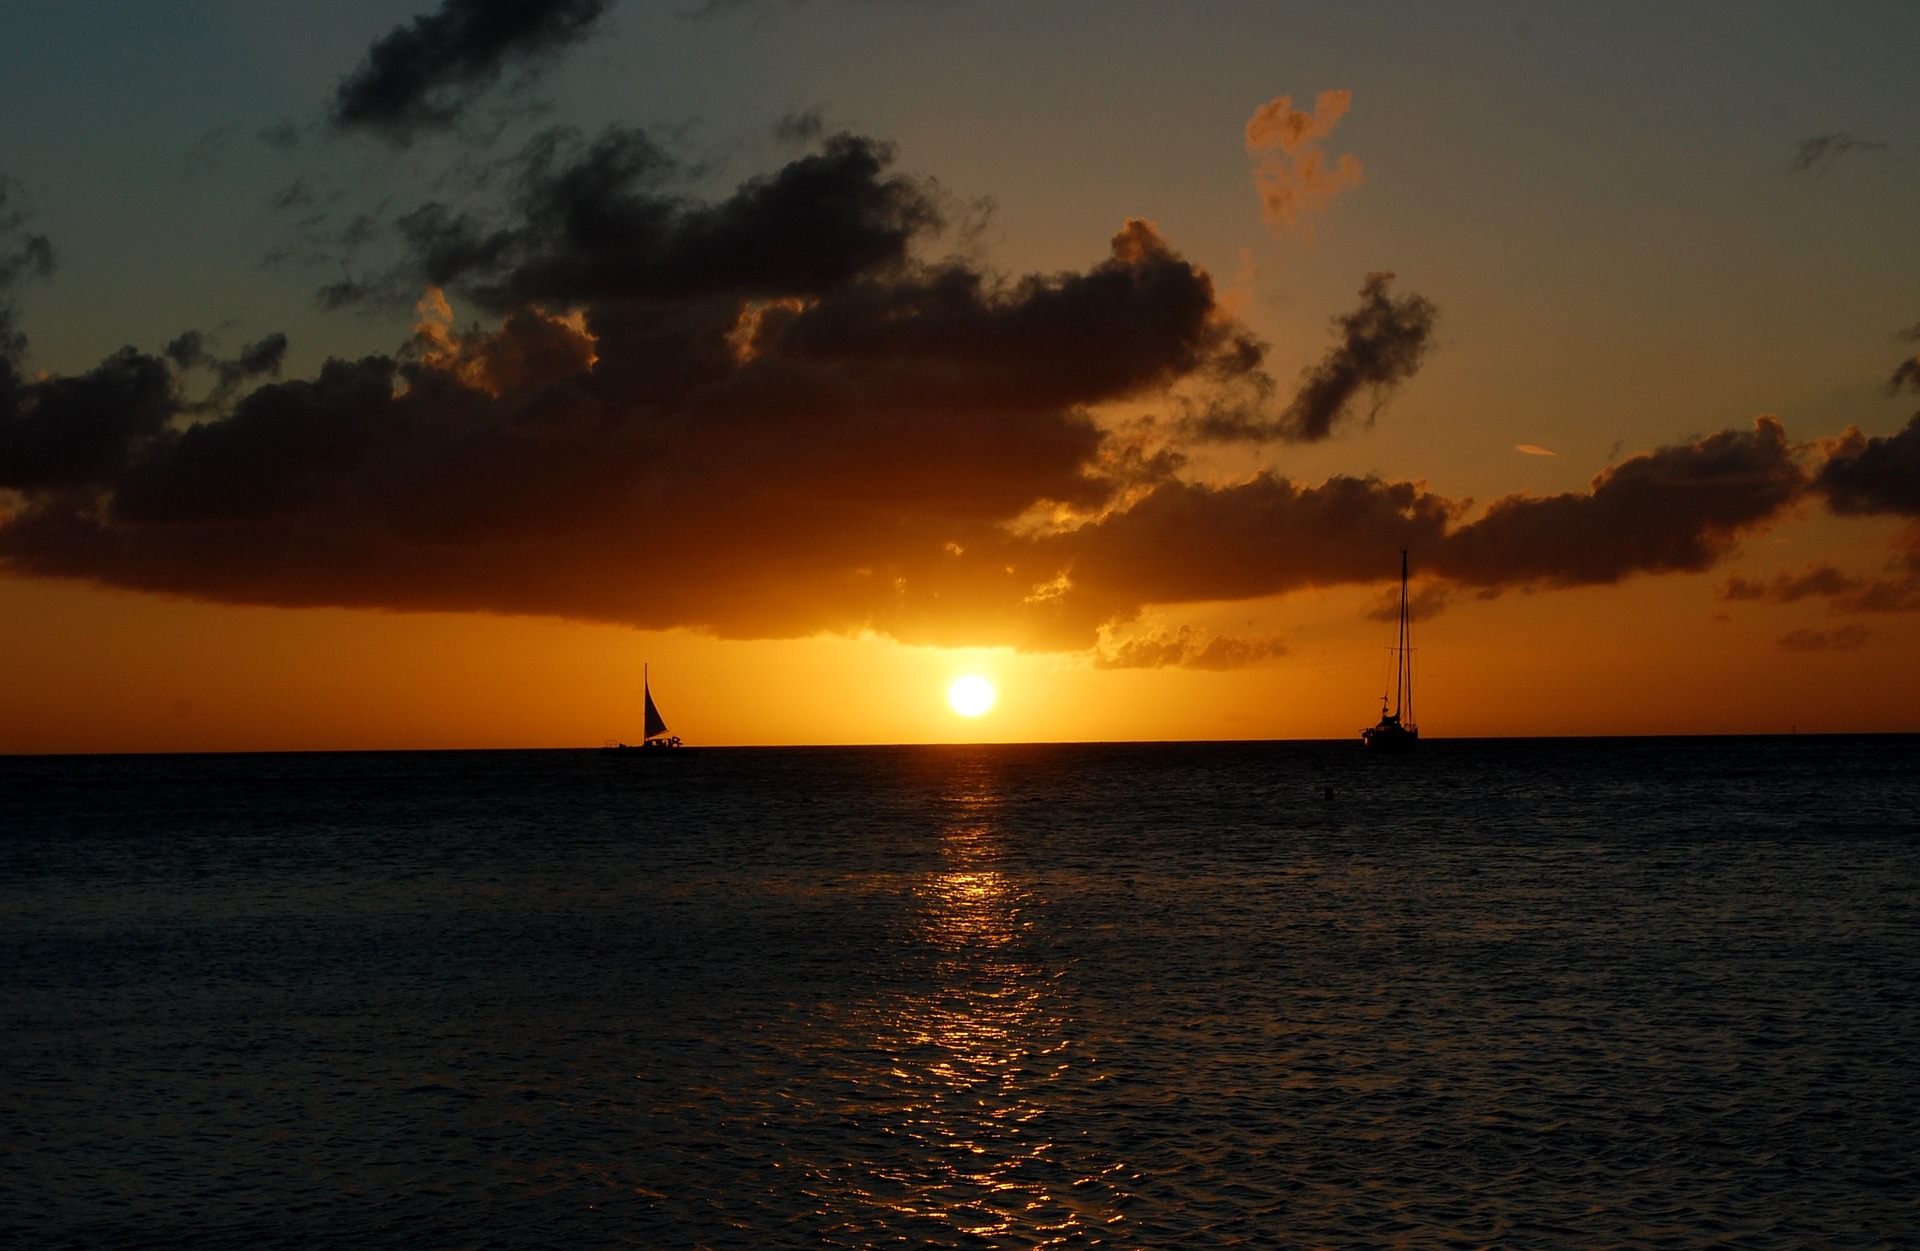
x=68, y=432
x=1786, y=588
x=1896, y=590
x=1425, y=602
x=1848, y=638
x=1187, y=542
x=1533, y=449
x=836, y=483
x=1382, y=344
x=759, y=415
x=1859, y=476
x=1906, y=375
x=1377, y=347
x=1290, y=171
x=23, y=254
x=776, y=413
x=423, y=75
x=1844, y=592
x=590, y=222
x=1818, y=153
x=1188, y=648
x=1864, y=475
x=195, y=350
x=1677, y=509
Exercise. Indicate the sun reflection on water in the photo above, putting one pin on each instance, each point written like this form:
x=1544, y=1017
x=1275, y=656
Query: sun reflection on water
x=976, y=1044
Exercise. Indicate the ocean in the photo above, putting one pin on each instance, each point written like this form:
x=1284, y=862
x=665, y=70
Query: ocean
x=1531, y=993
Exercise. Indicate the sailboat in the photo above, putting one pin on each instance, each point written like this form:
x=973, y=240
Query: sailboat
x=1396, y=731
x=656, y=737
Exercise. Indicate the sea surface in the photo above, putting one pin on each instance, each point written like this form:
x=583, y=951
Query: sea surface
x=1549, y=993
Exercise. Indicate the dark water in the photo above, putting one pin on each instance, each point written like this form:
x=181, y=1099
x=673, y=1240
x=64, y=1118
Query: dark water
x=1647, y=993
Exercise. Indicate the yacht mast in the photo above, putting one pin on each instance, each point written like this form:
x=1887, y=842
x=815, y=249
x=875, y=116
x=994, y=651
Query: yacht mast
x=1403, y=646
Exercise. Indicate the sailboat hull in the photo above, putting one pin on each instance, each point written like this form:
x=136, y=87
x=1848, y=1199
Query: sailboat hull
x=1390, y=739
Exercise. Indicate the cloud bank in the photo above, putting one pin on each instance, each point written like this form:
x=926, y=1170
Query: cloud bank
x=779, y=412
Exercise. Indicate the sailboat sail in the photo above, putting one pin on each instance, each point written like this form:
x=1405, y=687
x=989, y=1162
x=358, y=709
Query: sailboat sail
x=656, y=740
x=656, y=724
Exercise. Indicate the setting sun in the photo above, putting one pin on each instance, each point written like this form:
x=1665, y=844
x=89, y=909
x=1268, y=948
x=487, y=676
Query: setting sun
x=970, y=696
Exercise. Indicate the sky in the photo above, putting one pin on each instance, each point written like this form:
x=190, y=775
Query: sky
x=416, y=374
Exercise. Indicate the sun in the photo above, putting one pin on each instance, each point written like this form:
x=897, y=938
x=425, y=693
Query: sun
x=971, y=695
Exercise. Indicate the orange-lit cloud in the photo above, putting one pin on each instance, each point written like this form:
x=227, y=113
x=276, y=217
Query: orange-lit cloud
x=1187, y=648
x=1533, y=449
x=533, y=348
x=1291, y=172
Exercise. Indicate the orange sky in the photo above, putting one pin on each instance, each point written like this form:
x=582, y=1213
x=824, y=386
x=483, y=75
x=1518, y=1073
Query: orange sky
x=113, y=671
x=777, y=404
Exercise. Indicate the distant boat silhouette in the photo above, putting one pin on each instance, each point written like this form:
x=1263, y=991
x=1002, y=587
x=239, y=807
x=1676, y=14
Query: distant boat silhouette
x=1396, y=731
x=656, y=736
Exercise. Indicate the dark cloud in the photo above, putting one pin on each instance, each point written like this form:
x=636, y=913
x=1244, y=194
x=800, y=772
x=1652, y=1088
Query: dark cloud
x=57, y=434
x=422, y=75
x=23, y=254
x=1188, y=648
x=1848, y=638
x=774, y=414
x=1677, y=509
x=1906, y=375
x=590, y=223
x=1186, y=542
x=1874, y=475
x=1818, y=153
x=194, y=350
x=758, y=416
x=1378, y=346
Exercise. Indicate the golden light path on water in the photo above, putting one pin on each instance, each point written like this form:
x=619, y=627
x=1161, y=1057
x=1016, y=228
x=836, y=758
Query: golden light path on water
x=971, y=1053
